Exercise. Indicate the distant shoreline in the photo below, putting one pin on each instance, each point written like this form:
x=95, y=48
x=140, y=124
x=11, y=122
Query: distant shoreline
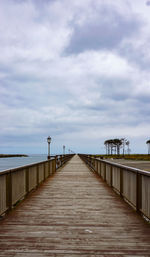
x=12, y=155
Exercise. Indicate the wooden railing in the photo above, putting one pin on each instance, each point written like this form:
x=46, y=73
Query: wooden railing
x=132, y=184
x=15, y=184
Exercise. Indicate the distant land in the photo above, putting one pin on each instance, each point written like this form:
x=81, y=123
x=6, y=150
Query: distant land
x=12, y=155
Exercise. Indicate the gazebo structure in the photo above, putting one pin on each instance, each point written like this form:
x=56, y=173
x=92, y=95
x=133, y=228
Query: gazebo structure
x=148, y=144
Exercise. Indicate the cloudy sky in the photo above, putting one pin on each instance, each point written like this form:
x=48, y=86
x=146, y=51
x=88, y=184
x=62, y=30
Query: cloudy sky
x=78, y=71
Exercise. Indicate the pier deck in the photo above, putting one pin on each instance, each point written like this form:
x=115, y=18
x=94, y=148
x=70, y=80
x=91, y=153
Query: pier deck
x=74, y=213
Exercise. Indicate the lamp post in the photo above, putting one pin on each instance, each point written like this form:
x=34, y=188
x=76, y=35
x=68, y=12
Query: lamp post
x=63, y=149
x=48, y=141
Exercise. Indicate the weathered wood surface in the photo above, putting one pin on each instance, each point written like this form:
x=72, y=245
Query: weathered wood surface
x=132, y=184
x=74, y=213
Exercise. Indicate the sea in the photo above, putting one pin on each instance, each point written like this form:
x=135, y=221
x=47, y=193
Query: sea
x=14, y=162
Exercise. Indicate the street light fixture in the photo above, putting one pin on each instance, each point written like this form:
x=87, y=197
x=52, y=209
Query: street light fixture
x=49, y=141
x=63, y=149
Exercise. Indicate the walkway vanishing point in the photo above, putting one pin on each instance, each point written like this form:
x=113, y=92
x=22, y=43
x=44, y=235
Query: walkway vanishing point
x=74, y=213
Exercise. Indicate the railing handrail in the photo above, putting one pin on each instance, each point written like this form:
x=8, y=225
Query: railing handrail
x=6, y=171
x=23, y=167
x=17, y=183
x=130, y=183
x=118, y=165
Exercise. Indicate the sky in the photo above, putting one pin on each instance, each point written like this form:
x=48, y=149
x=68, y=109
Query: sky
x=78, y=71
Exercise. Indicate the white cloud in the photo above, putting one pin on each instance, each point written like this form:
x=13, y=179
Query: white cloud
x=26, y=37
x=75, y=97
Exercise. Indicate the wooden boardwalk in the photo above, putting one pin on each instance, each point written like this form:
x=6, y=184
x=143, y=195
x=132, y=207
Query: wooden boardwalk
x=74, y=213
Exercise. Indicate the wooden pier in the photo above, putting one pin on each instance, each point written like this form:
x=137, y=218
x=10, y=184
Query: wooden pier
x=74, y=213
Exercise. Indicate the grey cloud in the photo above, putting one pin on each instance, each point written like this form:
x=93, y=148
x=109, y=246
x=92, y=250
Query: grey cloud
x=145, y=98
x=116, y=89
x=69, y=98
x=102, y=32
x=148, y=3
x=118, y=103
x=136, y=55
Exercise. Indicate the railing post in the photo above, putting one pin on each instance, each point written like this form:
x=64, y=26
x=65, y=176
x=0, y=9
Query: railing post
x=100, y=168
x=49, y=172
x=27, y=180
x=90, y=161
x=60, y=163
x=37, y=175
x=56, y=162
x=9, y=191
x=96, y=166
x=111, y=175
x=93, y=163
x=121, y=182
x=138, y=192
x=86, y=159
x=105, y=172
x=44, y=171
x=54, y=165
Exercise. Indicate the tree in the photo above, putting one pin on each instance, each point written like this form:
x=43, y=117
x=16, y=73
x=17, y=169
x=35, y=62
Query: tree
x=113, y=146
x=124, y=143
x=106, y=143
x=117, y=142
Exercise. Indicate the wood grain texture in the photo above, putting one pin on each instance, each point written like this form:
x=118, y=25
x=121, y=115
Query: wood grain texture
x=145, y=194
x=3, y=206
x=129, y=186
x=18, y=185
x=32, y=177
x=74, y=213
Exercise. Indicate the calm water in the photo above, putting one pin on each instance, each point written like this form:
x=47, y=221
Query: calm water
x=13, y=162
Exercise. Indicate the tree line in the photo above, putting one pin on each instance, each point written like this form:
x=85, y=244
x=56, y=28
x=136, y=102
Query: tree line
x=114, y=146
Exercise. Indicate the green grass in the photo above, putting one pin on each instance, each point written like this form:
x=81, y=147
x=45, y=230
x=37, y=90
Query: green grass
x=144, y=157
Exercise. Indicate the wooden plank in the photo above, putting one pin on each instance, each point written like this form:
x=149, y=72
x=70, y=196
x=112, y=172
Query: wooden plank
x=145, y=195
x=41, y=172
x=18, y=185
x=3, y=200
x=116, y=178
x=129, y=186
x=46, y=170
x=108, y=174
x=32, y=177
x=74, y=213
